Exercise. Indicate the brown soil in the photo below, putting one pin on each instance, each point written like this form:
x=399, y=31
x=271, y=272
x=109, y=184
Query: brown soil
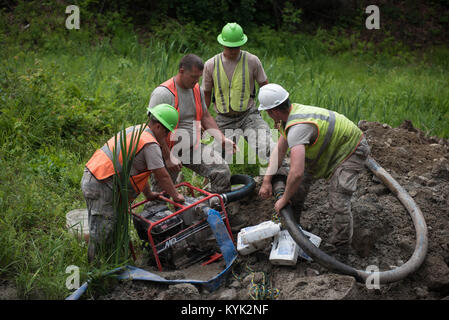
x=384, y=235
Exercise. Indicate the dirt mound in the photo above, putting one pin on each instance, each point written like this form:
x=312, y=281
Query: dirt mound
x=384, y=235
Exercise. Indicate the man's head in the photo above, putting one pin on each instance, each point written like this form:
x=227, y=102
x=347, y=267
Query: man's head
x=163, y=119
x=190, y=71
x=274, y=100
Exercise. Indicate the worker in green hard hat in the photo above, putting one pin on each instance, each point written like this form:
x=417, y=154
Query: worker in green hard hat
x=97, y=181
x=229, y=81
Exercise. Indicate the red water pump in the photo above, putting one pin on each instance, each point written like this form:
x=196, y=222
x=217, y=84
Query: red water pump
x=179, y=234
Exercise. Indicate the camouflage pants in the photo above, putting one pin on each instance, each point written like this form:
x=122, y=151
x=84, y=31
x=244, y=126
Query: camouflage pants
x=215, y=169
x=101, y=217
x=254, y=130
x=342, y=184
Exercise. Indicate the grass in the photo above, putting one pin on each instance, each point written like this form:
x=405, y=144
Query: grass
x=61, y=96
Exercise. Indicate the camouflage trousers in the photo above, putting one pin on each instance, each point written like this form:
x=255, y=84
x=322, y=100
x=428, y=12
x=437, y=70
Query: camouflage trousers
x=215, y=169
x=101, y=217
x=254, y=130
x=342, y=185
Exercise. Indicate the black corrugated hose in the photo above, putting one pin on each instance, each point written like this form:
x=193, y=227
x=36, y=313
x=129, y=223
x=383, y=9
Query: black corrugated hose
x=336, y=266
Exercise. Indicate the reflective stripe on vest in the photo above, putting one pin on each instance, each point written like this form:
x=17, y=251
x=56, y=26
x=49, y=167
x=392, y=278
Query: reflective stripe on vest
x=101, y=164
x=337, y=139
x=171, y=86
x=234, y=94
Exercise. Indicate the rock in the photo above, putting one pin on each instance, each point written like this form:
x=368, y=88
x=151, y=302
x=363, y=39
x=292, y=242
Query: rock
x=378, y=189
x=312, y=272
x=364, y=208
x=182, y=291
x=363, y=125
x=8, y=291
x=421, y=180
x=394, y=174
x=436, y=273
x=421, y=293
x=228, y=294
x=440, y=169
x=376, y=179
x=235, y=284
x=413, y=193
x=406, y=245
x=174, y=275
x=363, y=242
x=402, y=151
x=323, y=287
x=408, y=125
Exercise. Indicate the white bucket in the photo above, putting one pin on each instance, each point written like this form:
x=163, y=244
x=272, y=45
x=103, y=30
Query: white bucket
x=262, y=231
x=284, y=250
x=77, y=223
x=245, y=249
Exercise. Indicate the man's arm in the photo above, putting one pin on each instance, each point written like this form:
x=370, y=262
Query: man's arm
x=276, y=157
x=207, y=98
x=150, y=195
x=164, y=180
x=208, y=123
x=297, y=159
x=171, y=162
x=261, y=84
x=208, y=82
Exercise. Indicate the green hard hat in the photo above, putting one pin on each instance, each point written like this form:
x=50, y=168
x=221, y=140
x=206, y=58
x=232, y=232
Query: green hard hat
x=232, y=36
x=165, y=114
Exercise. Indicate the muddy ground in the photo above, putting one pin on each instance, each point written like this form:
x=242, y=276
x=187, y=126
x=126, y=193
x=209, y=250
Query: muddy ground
x=384, y=235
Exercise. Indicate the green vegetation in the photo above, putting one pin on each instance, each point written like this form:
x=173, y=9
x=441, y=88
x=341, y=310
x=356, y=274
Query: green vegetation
x=64, y=92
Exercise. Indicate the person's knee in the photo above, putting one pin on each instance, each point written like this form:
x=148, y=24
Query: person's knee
x=220, y=179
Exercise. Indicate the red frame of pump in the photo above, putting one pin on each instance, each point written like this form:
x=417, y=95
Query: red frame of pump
x=208, y=195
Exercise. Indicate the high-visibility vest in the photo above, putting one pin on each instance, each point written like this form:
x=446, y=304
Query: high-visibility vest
x=170, y=85
x=338, y=137
x=101, y=164
x=234, y=94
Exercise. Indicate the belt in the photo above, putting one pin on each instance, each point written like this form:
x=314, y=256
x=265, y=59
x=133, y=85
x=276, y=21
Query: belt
x=234, y=114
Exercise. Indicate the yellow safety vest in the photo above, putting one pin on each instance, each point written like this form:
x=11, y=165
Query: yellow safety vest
x=236, y=94
x=337, y=139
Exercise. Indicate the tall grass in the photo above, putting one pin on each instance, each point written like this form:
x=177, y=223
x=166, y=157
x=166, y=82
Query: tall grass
x=60, y=96
x=122, y=190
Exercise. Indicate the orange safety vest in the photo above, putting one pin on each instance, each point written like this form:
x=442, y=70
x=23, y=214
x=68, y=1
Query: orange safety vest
x=170, y=85
x=101, y=164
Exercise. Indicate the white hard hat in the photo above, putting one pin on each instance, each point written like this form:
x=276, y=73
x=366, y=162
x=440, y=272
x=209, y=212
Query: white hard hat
x=271, y=95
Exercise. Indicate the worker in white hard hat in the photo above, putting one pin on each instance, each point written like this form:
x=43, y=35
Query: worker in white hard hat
x=323, y=144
